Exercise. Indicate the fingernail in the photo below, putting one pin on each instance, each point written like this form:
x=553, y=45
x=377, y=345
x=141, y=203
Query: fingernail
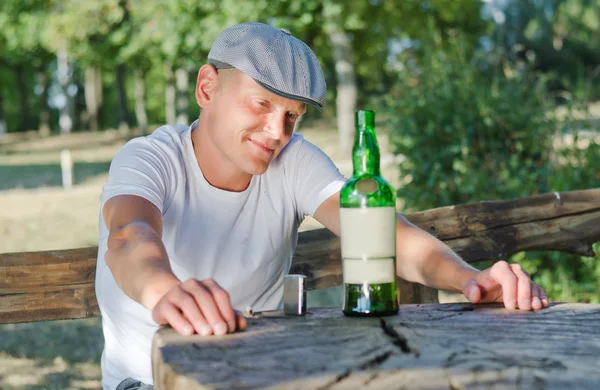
x=471, y=294
x=205, y=330
x=545, y=301
x=511, y=305
x=231, y=326
x=525, y=303
x=536, y=303
x=220, y=328
x=187, y=330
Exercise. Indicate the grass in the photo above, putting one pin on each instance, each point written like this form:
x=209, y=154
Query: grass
x=51, y=355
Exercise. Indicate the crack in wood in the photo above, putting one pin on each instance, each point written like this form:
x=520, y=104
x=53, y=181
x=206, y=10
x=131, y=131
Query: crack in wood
x=397, y=339
x=369, y=364
x=455, y=308
x=376, y=361
x=539, y=383
x=371, y=378
x=467, y=356
x=483, y=232
x=337, y=380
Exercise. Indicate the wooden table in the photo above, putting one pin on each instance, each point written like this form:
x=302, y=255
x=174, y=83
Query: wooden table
x=441, y=346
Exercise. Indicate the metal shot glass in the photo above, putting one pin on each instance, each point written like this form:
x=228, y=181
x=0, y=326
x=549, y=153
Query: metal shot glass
x=294, y=295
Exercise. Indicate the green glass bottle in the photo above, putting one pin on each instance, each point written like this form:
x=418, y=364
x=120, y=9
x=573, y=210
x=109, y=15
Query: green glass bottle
x=368, y=229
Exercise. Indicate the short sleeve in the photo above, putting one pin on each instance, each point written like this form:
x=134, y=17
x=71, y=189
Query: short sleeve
x=141, y=167
x=314, y=176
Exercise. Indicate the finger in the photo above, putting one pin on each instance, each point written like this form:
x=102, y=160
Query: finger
x=166, y=313
x=472, y=292
x=502, y=273
x=207, y=305
x=186, y=302
x=523, y=287
x=240, y=320
x=536, y=302
x=223, y=303
x=544, y=297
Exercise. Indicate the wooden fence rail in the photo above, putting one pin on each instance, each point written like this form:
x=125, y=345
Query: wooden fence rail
x=51, y=285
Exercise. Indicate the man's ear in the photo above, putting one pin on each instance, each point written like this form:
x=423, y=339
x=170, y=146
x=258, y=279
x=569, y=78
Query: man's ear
x=207, y=85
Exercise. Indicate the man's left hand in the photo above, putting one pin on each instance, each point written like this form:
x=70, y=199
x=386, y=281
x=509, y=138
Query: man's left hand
x=507, y=283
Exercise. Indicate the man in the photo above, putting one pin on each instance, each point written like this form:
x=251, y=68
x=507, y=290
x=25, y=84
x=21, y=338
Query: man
x=198, y=222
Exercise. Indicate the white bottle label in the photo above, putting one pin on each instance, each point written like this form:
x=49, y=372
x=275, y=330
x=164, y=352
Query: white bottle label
x=368, y=238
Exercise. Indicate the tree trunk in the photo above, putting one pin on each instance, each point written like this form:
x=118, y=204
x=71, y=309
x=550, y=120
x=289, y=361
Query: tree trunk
x=42, y=80
x=140, y=101
x=99, y=96
x=93, y=96
x=346, y=81
x=3, y=128
x=181, y=82
x=25, y=123
x=123, y=112
x=169, y=94
x=64, y=78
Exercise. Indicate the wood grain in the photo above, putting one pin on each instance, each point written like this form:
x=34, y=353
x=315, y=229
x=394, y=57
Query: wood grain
x=448, y=346
x=566, y=221
x=50, y=285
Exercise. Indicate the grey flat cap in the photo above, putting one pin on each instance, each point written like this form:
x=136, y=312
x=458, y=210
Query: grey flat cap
x=274, y=58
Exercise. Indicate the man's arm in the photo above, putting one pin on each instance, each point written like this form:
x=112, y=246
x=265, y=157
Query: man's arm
x=136, y=255
x=424, y=259
x=139, y=263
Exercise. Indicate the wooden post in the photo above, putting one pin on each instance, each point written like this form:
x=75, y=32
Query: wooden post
x=66, y=167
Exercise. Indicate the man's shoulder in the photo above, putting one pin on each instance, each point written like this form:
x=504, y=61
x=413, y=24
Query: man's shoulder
x=299, y=146
x=165, y=141
x=169, y=136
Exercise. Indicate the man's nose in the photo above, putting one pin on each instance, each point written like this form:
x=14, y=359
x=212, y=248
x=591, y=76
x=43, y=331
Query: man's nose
x=275, y=126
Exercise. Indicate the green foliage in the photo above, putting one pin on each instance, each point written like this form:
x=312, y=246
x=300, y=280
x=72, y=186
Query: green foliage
x=477, y=126
x=562, y=36
x=470, y=130
x=566, y=278
x=92, y=32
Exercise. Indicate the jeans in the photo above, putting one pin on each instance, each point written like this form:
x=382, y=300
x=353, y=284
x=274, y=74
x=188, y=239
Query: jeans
x=133, y=384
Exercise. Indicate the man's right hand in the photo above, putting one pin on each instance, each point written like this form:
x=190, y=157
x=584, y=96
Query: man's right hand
x=201, y=307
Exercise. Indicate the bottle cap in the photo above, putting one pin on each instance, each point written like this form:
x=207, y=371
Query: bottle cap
x=294, y=295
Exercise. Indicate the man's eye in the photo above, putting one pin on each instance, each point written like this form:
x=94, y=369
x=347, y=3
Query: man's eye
x=292, y=116
x=262, y=103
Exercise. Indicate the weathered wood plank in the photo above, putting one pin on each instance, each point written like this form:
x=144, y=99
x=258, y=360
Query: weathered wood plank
x=24, y=270
x=446, y=346
x=497, y=229
x=55, y=303
x=50, y=285
x=566, y=221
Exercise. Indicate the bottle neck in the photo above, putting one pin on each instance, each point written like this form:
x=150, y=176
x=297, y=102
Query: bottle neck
x=365, y=152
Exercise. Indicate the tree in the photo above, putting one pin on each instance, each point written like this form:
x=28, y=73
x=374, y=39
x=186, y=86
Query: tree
x=559, y=36
x=24, y=54
x=93, y=33
x=354, y=41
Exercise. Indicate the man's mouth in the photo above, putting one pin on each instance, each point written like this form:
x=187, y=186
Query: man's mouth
x=262, y=146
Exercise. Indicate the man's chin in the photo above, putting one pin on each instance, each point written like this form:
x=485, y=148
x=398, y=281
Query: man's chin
x=257, y=167
x=257, y=170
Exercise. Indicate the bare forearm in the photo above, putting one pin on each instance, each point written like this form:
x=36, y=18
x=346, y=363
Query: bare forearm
x=140, y=265
x=424, y=259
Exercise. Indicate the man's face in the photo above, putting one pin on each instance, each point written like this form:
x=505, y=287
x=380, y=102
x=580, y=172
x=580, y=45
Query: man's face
x=249, y=125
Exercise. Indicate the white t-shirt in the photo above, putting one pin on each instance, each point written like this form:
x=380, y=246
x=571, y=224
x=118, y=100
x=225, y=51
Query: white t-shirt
x=243, y=240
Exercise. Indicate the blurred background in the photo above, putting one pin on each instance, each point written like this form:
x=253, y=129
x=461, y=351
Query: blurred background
x=475, y=100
